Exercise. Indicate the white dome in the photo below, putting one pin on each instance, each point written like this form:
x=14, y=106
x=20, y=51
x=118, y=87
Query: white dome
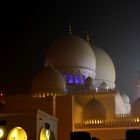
x=126, y=98
x=105, y=70
x=72, y=53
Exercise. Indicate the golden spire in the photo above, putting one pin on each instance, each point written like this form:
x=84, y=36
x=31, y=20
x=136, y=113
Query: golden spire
x=87, y=38
x=94, y=38
x=70, y=31
x=48, y=63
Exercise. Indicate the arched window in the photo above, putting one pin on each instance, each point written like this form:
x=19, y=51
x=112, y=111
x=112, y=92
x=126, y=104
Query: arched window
x=67, y=90
x=70, y=79
x=17, y=133
x=77, y=79
x=1, y=133
x=46, y=134
x=83, y=79
x=65, y=77
x=103, y=85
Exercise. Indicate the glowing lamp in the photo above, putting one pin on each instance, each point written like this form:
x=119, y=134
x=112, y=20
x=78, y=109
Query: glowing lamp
x=1, y=94
x=1, y=132
x=47, y=134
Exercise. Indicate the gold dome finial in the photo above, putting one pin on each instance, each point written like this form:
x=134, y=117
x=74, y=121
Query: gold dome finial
x=48, y=63
x=87, y=37
x=70, y=31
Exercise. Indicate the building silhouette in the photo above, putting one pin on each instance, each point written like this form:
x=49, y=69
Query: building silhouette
x=75, y=91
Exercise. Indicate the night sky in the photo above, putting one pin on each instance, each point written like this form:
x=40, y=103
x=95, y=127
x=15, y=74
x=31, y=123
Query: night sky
x=28, y=29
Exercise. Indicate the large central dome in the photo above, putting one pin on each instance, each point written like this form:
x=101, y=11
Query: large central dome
x=72, y=53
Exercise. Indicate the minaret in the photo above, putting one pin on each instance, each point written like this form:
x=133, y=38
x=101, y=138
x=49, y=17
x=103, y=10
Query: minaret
x=87, y=38
x=48, y=63
x=137, y=86
x=70, y=30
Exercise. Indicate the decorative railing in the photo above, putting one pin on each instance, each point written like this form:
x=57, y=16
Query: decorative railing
x=47, y=94
x=99, y=91
x=115, y=122
x=83, y=92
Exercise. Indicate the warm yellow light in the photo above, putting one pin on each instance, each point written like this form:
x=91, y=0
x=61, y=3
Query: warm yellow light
x=43, y=95
x=100, y=122
x=47, y=134
x=17, y=133
x=137, y=120
x=1, y=132
x=18, y=127
x=95, y=122
x=89, y=121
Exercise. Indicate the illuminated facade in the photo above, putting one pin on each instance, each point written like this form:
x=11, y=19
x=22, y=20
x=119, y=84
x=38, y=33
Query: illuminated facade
x=27, y=125
x=76, y=86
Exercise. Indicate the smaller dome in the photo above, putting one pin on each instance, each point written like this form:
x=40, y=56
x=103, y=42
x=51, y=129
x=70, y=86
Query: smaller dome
x=103, y=85
x=125, y=98
x=135, y=107
x=94, y=110
x=48, y=79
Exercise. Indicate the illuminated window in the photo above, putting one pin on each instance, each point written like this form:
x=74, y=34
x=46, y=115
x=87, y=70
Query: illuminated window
x=67, y=90
x=65, y=77
x=70, y=79
x=17, y=133
x=77, y=79
x=1, y=133
x=46, y=134
x=83, y=79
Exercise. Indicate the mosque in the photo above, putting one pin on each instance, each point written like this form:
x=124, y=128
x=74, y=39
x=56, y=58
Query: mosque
x=75, y=91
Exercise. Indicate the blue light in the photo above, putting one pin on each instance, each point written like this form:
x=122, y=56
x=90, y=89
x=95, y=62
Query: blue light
x=65, y=77
x=70, y=79
x=77, y=79
x=67, y=90
x=83, y=79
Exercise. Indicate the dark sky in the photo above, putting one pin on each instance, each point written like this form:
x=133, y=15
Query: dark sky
x=27, y=30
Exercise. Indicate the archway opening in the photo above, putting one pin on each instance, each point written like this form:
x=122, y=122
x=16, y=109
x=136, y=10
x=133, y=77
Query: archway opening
x=17, y=133
x=46, y=134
